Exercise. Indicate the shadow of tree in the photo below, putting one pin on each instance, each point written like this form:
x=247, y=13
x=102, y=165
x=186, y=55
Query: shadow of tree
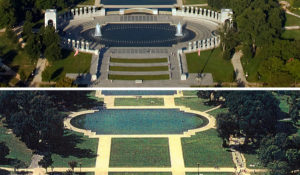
x=286, y=127
x=9, y=56
x=4, y=172
x=74, y=100
x=56, y=73
x=68, y=147
x=13, y=162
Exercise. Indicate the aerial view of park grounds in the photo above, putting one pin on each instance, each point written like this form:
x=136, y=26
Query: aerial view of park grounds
x=149, y=43
x=149, y=132
x=149, y=87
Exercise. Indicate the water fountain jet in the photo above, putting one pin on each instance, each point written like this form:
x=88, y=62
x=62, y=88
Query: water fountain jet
x=179, y=30
x=98, y=30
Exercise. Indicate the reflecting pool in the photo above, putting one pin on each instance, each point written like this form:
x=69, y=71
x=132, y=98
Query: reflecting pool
x=138, y=35
x=139, y=121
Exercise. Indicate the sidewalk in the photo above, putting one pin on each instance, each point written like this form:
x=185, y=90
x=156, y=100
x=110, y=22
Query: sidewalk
x=238, y=68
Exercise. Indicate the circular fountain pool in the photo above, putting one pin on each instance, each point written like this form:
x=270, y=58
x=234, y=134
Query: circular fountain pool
x=139, y=121
x=138, y=35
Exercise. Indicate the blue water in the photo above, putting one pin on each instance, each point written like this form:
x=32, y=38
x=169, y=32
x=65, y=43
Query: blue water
x=141, y=121
x=139, y=34
x=138, y=2
x=112, y=93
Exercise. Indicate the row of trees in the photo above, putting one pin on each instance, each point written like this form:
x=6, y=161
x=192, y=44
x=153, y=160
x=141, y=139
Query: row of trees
x=256, y=117
x=255, y=23
x=37, y=117
x=13, y=11
x=257, y=27
x=46, y=41
x=34, y=118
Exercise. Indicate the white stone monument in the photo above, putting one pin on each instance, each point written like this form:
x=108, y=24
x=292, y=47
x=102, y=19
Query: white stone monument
x=226, y=14
x=51, y=18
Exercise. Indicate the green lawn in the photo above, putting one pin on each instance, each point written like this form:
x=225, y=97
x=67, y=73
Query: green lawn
x=292, y=20
x=87, y=2
x=194, y=103
x=296, y=11
x=139, y=69
x=251, y=66
x=204, y=173
x=283, y=104
x=15, y=57
x=190, y=93
x=291, y=34
x=140, y=152
x=92, y=96
x=143, y=173
x=150, y=60
x=139, y=101
x=186, y=2
x=18, y=149
x=252, y=159
x=218, y=111
x=82, y=149
x=139, y=77
x=69, y=64
x=206, y=149
x=211, y=61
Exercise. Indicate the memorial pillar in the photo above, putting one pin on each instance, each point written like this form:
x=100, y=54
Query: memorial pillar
x=89, y=9
x=80, y=11
x=77, y=44
x=94, y=9
x=82, y=45
x=195, y=46
x=208, y=13
x=69, y=43
x=196, y=10
x=85, y=10
x=192, y=10
x=208, y=42
x=204, y=44
x=87, y=46
x=190, y=46
x=204, y=13
x=76, y=12
x=73, y=43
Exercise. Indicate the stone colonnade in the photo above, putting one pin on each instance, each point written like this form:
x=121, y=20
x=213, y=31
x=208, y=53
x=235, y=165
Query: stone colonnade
x=190, y=10
x=89, y=10
x=82, y=46
x=204, y=44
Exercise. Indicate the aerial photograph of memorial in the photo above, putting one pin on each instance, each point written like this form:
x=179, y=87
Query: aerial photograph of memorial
x=149, y=43
x=149, y=132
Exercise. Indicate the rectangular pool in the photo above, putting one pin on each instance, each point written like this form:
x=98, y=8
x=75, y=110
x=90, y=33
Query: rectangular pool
x=116, y=93
x=138, y=2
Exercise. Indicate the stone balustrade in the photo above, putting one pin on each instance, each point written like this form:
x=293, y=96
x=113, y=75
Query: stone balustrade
x=183, y=76
x=198, y=12
x=206, y=44
x=82, y=46
x=87, y=11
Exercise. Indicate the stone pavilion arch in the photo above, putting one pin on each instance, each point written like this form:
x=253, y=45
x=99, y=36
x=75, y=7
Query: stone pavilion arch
x=51, y=18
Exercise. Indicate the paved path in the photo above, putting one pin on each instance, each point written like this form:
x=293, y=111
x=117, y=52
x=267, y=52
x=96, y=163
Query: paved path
x=238, y=68
x=40, y=67
x=102, y=162
x=286, y=5
x=35, y=161
x=176, y=156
